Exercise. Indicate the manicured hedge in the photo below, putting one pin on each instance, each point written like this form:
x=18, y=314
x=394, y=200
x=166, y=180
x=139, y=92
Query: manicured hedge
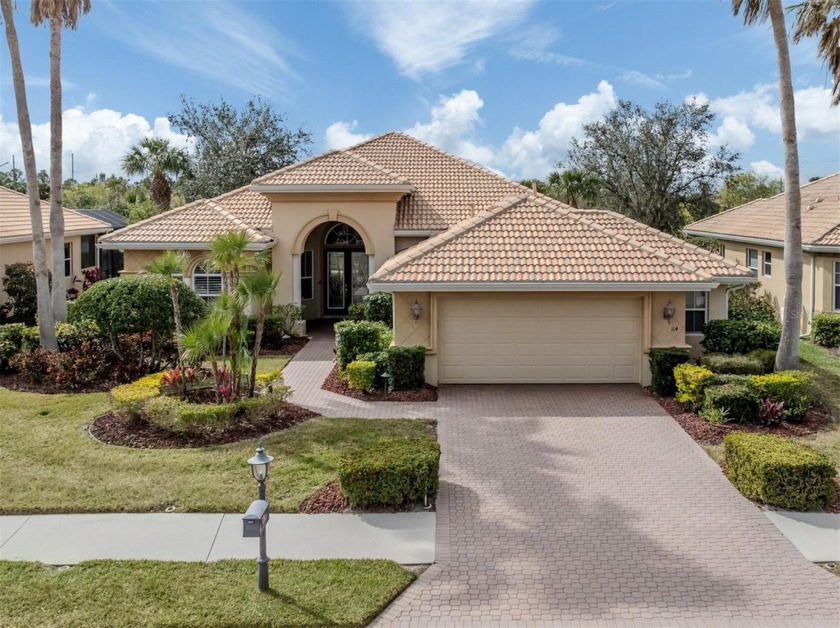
x=736, y=400
x=692, y=382
x=662, y=364
x=11, y=343
x=378, y=358
x=407, y=367
x=361, y=375
x=737, y=364
x=176, y=415
x=740, y=336
x=766, y=357
x=391, y=473
x=793, y=388
x=825, y=329
x=129, y=399
x=779, y=472
x=355, y=338
x=379, y=307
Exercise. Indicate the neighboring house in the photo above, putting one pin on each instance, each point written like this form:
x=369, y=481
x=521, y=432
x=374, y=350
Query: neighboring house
x=499, y=284
x=753, y=234
x=81, y=233
x=110, y=260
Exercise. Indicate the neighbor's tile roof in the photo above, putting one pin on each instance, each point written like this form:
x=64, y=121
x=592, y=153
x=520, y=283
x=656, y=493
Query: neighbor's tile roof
x=332, y=168
x=533, y=239
x=765, y=218
x=105, y=215
x=194, y=223
x=15, y=223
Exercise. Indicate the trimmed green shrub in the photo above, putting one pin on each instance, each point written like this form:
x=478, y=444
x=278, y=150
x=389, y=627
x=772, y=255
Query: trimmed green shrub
x=793, y=388
x=265, y=405
x=728, y=378
x=176, y=415
x=779, y=471
x=767, y=359
x=407, y=367
x=736, y=400
x=379, y=307
x=129, y=399
x=19, y=286
x=354, y=338
x=356, y=312
x=747, y=304
x=733, y=364
x=733, y=336
x=825, y=329
x=379, y=358
x=361, y=375
x=662, y=364
x=70, y=335
x=391, y=473
x=691, y=383
x=11, y=343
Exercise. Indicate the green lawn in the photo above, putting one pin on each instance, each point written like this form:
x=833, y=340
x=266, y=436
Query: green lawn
x=50, y=464
x=149, y=593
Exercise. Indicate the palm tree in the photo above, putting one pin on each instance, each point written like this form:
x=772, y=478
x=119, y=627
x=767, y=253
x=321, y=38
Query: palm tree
x=757, y=11
x=156, y=157
x=204, y=340
x=172, y=265
x=229, y=254
x=60, y=13
x=258, y=289
x=46, y=319
x=821, y=18
x=573, y=186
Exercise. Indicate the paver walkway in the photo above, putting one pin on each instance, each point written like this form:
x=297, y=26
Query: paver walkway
x=587, y=503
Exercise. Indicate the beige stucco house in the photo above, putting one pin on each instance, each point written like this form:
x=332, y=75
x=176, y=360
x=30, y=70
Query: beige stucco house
x=499, y=283
x=81, y=233
x=753, y=235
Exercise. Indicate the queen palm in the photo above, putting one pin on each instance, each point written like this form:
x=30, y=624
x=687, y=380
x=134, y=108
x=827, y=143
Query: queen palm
x=46, y=320
x=821, y=18
x=258, y=289
x=573, y=187
x=172, y=265
x=60, y=14
x=156, y=157
x=758, y=11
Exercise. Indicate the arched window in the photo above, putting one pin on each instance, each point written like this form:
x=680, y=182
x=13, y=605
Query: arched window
x=343, y=235
x=206, y=283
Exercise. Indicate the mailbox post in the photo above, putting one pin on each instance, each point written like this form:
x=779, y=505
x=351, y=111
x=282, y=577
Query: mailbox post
x=255, y=521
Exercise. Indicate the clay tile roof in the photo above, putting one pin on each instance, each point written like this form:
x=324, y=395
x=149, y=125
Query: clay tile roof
x=192, y=224
x=332, y=168
x=532, y=239
x=448, y=189
x=16, y=225
x=764, y=218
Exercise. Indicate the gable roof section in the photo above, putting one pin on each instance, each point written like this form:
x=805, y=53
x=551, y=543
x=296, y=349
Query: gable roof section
x=332, y=169
x=536, y=243
x=16, y=226
x=190, y=226
x=764, y=219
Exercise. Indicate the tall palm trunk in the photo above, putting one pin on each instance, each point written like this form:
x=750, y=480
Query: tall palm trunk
x=59, y=292
x=787, y=356
x=176, y=313
x=161, y=192
x=257, y=343
x=46, y=320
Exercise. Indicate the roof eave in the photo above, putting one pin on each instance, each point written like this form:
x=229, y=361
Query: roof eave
x=185, y=246
x=811, y=248
x=75, y=232
x=540, y=286
x=265, y=188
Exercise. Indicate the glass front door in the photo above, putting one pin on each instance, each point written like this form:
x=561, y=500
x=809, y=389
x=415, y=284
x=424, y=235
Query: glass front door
x=347, y=275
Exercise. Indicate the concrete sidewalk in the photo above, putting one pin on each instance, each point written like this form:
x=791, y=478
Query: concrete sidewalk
x=815, y=534
x=407, y=538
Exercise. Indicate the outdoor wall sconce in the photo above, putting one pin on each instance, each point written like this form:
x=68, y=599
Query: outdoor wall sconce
x=669, y=311
x=416, y=308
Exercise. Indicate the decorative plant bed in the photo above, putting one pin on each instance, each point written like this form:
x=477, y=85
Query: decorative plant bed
x=18, y=383
x=116, y=430
x=330, y=499
x=335, y=384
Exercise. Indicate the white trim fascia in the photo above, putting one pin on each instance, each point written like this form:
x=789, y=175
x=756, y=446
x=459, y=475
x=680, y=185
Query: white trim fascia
x=538, y=286
x=779, y=244
x=734, y=280
x=80, y=232
x=416, y=233
x=306, y=189
x=185, y=246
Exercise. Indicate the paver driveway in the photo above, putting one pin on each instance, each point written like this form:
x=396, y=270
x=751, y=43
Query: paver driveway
x=588, y=503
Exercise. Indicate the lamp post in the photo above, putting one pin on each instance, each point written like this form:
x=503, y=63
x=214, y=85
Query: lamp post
x=260, y=465
x=255, y=521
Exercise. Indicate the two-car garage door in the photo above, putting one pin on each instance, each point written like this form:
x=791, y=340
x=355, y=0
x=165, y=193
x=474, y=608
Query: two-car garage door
x=494, y=339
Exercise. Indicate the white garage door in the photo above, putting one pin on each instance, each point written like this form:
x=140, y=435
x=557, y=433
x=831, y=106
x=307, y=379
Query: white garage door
x=538, y=339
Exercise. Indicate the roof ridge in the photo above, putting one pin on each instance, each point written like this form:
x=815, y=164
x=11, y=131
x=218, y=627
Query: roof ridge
x=379, y=167
x=237, y=220
x=465, y=226
x=156, y=217
x=294, y=166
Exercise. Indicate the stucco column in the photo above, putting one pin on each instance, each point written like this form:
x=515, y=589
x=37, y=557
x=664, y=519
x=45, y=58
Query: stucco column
x=371, y=265
x=296, y=299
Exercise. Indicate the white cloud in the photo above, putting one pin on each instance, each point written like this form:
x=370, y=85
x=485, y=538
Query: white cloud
x=423, y=37
x=98, y=139
x=734, y=133
x=341, y=135
x=640, y=78
x=453, y=124
x=765, y=168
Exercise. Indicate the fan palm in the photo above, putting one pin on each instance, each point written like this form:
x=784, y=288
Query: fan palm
x=754, y=12
x=821, y=18
x=204, y=340
x=573, y=187
x=156, y=157
x=172, y=265
x=258, y=289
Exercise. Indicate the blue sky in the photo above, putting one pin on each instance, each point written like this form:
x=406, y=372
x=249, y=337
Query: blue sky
x=504, y=83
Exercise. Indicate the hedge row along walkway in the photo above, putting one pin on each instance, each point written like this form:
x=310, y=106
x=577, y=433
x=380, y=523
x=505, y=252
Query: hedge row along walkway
x=584, y=503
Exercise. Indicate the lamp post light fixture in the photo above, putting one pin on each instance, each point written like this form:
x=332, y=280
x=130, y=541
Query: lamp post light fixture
x=416, y=309
x=669, y=311
x=387, y=378
x=255, y=521
x=260, y=466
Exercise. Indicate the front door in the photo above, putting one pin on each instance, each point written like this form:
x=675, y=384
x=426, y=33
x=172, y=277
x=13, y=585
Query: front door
x=346, y=281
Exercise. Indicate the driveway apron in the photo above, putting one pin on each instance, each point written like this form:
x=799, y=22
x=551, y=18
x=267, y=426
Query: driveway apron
x=584, y=503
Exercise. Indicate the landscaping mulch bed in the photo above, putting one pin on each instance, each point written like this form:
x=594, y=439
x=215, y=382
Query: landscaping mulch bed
x=17, y=383
x=114, y=430
x=290, y=347
x=325, y=500
x=705, y=433
x=333, y=383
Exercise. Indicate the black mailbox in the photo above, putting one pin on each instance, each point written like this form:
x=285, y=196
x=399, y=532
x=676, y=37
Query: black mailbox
x=255, y=518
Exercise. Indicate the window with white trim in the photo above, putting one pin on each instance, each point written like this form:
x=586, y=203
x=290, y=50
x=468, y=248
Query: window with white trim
x=307, y=287
x=767, y=270
x=752, y=260
x=68, y=259
x=696, y=311
x=837, y=286
x=206, y=283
